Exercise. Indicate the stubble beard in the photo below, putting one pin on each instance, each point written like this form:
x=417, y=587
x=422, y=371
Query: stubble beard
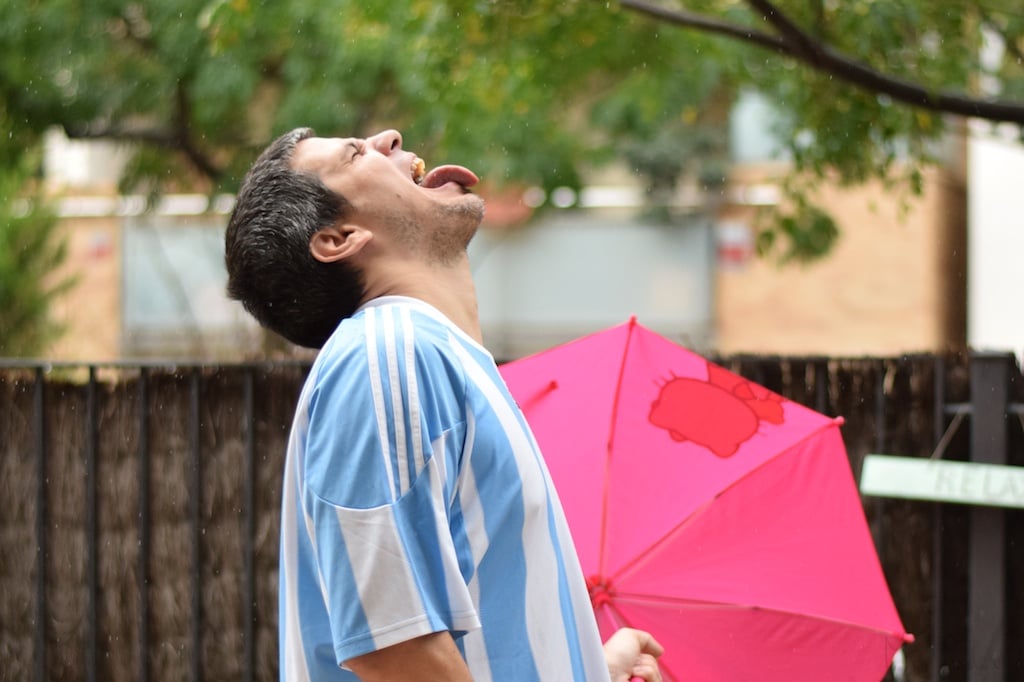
x=456, y=225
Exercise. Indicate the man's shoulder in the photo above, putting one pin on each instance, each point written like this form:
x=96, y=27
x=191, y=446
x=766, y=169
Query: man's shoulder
x=386, y=333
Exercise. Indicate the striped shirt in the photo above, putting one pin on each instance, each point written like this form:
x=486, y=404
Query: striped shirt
x=416, y=501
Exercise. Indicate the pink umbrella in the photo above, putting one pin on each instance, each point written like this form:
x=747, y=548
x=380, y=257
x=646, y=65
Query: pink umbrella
x=713, y=513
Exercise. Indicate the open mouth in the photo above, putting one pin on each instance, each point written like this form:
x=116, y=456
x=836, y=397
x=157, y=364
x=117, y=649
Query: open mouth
x=440, y=176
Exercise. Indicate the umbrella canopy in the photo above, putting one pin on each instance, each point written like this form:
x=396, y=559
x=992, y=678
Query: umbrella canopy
x=715, y=514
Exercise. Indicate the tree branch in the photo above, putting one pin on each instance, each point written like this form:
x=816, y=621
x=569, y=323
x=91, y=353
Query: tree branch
x=177, y=138
x=708, y=24
x=184, y=139
x=794, y=42
x=165, y=139
x=153, y=136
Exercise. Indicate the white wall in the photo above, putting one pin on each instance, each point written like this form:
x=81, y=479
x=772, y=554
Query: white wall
x=574, y=272
x=751, y=135
x=995, y=248
x=82, y=163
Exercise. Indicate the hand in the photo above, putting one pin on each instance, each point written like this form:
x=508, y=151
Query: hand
x=633, y=653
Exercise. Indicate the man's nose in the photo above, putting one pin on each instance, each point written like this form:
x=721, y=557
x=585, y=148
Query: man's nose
x=386, y=141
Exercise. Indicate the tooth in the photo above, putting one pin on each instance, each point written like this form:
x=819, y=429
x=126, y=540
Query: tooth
x=419, y=170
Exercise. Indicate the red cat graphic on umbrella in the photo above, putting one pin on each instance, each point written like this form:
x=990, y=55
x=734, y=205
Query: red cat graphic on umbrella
x=721, y=413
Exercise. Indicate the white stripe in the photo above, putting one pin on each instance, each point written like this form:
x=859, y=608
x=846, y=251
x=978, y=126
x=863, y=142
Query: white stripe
x=459, y=603
x=476, y=533
x=549, y=655
x=397, y=404
x=311, y=532
x=294, y=663
x=378, y=396
x=301, y=487
x=583, y=613
x=386, y=584
x=414, y=393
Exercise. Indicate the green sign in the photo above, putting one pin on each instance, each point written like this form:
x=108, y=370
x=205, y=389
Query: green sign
x=939, y=480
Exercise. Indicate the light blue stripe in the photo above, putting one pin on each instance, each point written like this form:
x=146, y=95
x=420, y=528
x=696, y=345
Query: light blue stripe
x=340, y=398
x=463, y=550
x=502, y=572
x=414, y=517
x=409, y=431
x=389, y=406
x=316, y=624
x=565, y=601
x=371, y=345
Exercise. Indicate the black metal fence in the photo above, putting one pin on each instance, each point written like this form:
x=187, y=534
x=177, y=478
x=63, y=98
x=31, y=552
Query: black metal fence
x=138, y=532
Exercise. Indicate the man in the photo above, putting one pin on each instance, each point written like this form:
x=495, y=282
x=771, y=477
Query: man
x=421, y=538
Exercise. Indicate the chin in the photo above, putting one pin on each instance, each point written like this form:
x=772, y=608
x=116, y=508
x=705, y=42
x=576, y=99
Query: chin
x=469, y=215
x=475, y=204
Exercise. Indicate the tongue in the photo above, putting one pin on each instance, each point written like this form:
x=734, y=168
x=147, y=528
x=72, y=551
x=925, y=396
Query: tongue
x=445, y=174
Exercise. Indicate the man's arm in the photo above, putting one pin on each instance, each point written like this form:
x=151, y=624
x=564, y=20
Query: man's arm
x=422, y=659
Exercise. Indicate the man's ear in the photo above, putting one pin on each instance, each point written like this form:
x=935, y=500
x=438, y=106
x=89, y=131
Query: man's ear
x=338, y=242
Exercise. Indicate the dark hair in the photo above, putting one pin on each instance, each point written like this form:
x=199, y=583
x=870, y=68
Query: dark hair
x=266, y=249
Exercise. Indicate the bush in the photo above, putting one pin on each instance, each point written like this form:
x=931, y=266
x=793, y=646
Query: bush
x=30, y=254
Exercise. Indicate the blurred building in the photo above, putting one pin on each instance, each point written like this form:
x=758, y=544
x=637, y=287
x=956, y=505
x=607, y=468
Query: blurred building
x=895, y=281
x=150, y=278
x=996, y=241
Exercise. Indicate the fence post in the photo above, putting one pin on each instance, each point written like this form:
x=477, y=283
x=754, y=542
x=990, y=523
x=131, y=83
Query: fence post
x=938, y=518
x=42, y=524
x=196, y=518
x=142, y=414
x=986, y=589
x=91, y=528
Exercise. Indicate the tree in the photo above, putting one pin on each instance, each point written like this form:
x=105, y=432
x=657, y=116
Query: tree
x=529, y=91
x=30, y=254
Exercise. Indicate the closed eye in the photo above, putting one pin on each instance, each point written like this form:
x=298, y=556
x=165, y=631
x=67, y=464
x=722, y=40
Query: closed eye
x=356, y=148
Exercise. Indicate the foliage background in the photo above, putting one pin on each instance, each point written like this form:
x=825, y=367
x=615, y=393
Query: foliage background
x=527, y=92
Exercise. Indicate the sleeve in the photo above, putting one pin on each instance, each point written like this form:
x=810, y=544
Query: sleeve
x=386, y=428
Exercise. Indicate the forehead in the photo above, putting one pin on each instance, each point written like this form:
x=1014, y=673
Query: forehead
x=320, y=154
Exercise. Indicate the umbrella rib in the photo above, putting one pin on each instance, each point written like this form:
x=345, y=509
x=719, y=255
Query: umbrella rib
x=649, y=599
x=611, y=444
x=648, y=553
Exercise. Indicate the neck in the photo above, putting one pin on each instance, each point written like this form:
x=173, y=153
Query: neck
x=449, y=288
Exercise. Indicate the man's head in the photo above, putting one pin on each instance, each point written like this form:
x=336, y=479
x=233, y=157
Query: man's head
x=315, y=215
x=396, y=205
